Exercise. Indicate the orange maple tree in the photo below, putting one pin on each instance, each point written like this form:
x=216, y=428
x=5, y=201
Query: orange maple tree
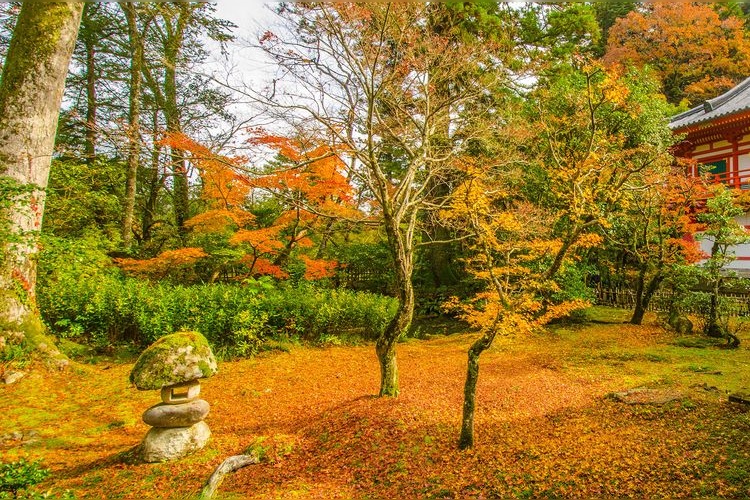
x=656, y=230
x=309, y=185
x=695, y=52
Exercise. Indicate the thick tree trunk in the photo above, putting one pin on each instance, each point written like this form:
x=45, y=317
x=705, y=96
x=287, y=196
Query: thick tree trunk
x=31, y=91
x=385, y=347
x=440, y=256
x=134, y=112
x=646, y=294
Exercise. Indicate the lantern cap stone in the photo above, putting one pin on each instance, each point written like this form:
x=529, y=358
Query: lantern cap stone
x=174, y=359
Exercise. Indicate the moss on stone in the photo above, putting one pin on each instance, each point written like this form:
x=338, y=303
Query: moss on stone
x=174, y=359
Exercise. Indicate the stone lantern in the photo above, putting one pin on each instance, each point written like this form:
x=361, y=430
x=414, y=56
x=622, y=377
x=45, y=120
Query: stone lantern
x=174, y=364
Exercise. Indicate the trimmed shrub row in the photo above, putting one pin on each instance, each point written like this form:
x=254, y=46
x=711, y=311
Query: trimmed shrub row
x=106, y=309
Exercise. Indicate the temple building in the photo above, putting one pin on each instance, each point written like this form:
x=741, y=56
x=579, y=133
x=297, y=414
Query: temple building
x=717, y=135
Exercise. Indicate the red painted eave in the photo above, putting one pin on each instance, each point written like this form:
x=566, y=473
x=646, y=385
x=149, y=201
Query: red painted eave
x=741, y=119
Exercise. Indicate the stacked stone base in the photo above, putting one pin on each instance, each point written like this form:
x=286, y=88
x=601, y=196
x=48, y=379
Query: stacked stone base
x=177, y=424
x=164, y=444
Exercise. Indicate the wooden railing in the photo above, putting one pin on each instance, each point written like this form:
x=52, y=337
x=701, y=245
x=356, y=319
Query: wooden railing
x=734, y=304
x=739, y=179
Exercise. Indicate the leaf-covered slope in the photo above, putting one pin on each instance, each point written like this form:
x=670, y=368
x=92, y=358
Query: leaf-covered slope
x=544, y=425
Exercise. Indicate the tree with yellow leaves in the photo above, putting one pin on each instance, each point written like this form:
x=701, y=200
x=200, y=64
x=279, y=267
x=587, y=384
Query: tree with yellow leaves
x=511, y=243
x=593, y=136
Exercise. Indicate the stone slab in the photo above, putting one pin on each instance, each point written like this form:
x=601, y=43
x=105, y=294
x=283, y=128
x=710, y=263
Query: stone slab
x=646, y=396
x=183, y=415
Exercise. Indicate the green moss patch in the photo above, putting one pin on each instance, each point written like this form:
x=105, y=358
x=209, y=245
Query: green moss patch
x=174, y=359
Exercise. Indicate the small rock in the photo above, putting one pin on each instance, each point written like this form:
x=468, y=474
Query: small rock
x=168, y=416
x=740, y=398
x=16, y=436
x=161, y=445
x=12, y=377
x=643, y=395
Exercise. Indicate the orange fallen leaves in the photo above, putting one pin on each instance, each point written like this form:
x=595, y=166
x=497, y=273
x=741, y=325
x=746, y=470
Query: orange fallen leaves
x=544, y=428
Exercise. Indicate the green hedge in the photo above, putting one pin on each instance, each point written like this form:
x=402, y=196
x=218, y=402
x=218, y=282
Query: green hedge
x=236, y=319
x=81, y=295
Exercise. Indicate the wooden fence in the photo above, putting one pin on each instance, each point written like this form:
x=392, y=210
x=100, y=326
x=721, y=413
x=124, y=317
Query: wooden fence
x=733, y=304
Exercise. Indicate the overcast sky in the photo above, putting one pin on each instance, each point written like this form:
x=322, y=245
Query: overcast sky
x=252, y=17
x=246, y=67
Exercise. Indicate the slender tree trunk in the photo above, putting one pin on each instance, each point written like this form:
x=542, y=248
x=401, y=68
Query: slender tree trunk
x=134, y=112
x=91, y=102
x=712, y=324
x=562, y=253
x=639, y=311
x=154, y=183
x=466, y=439
x=712, y=327
x=172, y=50
x=325, y=237
x=31, y=91
x=385, y=347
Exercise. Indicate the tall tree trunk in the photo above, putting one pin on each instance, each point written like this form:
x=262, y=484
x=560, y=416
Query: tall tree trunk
x=89, y=43
x=134, y=115
x=385, y=347
x=153, y=183
x=31, y=91
x=439, y=256
x=172, y=50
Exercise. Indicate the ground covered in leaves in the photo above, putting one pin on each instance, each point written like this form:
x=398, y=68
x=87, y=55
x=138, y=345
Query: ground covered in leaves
x=548, y=423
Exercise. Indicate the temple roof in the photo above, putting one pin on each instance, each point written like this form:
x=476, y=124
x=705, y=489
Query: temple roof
x=733, y=101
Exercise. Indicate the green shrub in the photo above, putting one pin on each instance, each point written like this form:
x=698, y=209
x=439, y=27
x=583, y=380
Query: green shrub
x=107, y=308
x=18, y=476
